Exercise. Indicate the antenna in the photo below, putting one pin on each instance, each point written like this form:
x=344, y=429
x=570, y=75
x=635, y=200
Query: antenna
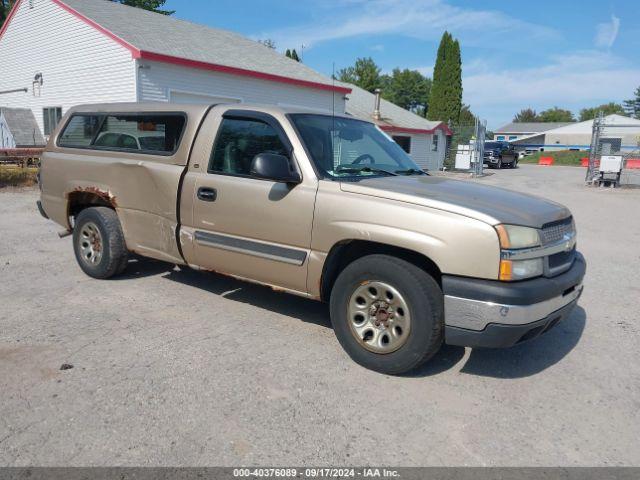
x=333, y=91
x=333, y=115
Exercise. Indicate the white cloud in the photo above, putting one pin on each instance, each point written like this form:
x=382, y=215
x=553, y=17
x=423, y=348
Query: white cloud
x=422, y=19
x=572, y=81
x=377, y=48
x=607, y=32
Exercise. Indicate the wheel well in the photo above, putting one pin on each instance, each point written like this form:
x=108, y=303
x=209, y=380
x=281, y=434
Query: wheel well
x=342, y=254
x=80, y=199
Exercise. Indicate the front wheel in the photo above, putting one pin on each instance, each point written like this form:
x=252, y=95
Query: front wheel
x=387, y=313
x=98, y=243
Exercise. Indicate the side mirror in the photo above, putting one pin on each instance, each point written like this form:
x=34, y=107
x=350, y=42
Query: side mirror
x=271, y=166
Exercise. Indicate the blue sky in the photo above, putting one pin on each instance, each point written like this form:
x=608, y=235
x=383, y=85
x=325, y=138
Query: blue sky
x=515, y=54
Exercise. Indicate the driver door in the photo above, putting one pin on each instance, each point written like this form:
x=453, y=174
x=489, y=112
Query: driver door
x=248, y=227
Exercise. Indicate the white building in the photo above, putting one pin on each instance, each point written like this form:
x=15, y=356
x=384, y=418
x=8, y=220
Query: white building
x=70, y=52
x=516, y=130
x=577, y=136
x=424, y=140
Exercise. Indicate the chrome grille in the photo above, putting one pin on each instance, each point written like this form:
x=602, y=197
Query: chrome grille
x=555, y=232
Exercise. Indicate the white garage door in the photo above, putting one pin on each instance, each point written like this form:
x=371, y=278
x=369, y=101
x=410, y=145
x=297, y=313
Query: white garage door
x=183, y=97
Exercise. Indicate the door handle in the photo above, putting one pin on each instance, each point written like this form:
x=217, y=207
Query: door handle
x=207, y=194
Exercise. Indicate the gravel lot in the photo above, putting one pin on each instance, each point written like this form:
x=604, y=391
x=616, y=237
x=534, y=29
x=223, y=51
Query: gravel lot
x=174, y=367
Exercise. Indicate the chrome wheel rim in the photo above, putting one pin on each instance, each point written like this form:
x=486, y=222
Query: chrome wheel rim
x=90, y=244
x=379, y=317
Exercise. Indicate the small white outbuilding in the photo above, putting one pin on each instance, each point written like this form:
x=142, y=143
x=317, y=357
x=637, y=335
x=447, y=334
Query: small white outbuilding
x=70, y=52
x=425, y=141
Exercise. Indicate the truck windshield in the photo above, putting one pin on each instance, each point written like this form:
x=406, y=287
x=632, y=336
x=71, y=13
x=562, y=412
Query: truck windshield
x=343, y=147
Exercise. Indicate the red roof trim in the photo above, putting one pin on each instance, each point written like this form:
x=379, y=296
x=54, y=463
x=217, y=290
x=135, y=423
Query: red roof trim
x=393, y=128
x=9, y=17
x=185, y=62
x=135, y=53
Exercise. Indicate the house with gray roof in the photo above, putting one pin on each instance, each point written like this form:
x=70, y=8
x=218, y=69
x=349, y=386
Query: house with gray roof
x=516, y=130
x=424, y=140
x=19, y=129
x=59, y=53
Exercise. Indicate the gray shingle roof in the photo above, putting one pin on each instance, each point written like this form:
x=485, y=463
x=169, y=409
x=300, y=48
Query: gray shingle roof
x=530, y=127
x=360, y=104
x=165, y=35
x=23, y=126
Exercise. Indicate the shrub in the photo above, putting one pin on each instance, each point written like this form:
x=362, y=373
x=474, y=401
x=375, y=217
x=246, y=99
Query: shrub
x=15, y=176
x=560, y=157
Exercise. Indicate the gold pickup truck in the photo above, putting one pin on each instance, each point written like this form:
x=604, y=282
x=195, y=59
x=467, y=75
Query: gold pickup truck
x=319, y=205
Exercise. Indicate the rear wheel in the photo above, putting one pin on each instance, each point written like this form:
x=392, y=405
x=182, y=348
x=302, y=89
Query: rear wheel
x=387, y=313
x=98, y=243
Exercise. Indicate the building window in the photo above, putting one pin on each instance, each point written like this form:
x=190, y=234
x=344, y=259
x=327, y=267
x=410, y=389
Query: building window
x=500, y=138
x=434, y=143
x=51, y=116
x=404, y=142
x=513, y=137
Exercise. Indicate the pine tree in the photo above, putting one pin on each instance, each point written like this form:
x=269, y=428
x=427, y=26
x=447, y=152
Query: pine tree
x=151, y=5
x=287, y=53
x=5, y=8
x=445, y=100
x=294, y=55
x=632, y=106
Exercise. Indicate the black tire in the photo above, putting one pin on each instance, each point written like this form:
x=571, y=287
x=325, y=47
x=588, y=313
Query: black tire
x=112, y=247
x=424, y=300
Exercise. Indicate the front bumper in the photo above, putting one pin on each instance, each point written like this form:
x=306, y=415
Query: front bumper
x=488, y=313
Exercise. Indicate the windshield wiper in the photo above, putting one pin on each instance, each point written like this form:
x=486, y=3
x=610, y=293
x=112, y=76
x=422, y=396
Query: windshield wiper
x=364, y=169
x=410, y=171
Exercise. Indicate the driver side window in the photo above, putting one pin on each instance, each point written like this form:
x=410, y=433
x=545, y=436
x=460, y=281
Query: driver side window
x=239, y=141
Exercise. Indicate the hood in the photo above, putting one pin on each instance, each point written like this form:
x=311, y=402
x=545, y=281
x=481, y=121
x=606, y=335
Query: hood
x=492, y=205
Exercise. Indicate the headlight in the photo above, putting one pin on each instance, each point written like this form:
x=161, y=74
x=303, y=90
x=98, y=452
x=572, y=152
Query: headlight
x=515, y=236
x=520, y=269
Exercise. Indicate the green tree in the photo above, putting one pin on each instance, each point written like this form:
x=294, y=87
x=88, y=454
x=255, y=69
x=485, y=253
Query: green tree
x=365, y=74
x=632, y=106
x=292, y=54
x=445, y=100
x=152, y=5
x=467, y=117
x=556, y=114
x=526, y=115
x=605, y=108
x=5, y=8
x=408, y=89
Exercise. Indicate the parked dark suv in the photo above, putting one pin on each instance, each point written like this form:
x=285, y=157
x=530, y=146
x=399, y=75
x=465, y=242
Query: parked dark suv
x=500, y=154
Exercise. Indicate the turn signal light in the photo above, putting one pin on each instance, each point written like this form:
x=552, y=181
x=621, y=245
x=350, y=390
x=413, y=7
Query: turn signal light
x=506, y=270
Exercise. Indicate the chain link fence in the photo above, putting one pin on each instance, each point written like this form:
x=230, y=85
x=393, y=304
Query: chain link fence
x=465, y=148
x=614, y=154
